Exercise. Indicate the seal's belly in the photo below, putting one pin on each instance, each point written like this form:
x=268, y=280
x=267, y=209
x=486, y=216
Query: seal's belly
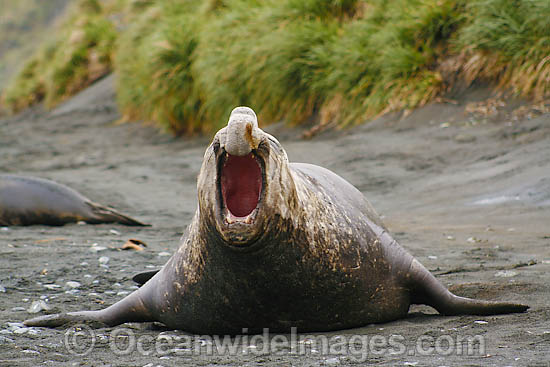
x=320, y=306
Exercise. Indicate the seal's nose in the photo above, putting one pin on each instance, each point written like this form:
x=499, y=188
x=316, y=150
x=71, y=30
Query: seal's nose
x=242, y=134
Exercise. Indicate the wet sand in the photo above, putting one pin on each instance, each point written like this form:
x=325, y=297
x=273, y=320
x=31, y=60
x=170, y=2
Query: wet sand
x=467, y=193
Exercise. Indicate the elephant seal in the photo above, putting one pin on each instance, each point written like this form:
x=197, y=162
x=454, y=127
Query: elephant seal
x=278, y=245
x=30, y=200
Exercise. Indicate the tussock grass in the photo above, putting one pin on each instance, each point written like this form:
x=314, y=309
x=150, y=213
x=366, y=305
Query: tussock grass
x=154, y=59
x=507, y=41
x=79, y=55
x=185, y=64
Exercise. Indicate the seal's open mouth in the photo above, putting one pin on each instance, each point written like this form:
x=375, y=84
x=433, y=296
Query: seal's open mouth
x=241, y=186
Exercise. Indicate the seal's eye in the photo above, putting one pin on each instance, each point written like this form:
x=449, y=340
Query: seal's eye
x=241, y=184
x=216, y=146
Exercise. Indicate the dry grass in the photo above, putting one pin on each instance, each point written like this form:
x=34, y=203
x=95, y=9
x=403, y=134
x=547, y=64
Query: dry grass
x=185, y=64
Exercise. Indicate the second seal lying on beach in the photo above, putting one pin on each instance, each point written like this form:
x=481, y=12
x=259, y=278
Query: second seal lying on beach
x=278, y=245
x=28, y=200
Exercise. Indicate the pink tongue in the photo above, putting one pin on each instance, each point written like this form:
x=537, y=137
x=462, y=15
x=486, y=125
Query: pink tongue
x=241, y=184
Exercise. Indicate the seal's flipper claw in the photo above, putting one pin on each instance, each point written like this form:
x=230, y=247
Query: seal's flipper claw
x=144, y=277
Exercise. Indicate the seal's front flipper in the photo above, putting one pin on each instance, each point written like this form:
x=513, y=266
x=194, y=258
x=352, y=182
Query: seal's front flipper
x=144, y=277
x=129, y=309
x=428, y=290
x=90, y=318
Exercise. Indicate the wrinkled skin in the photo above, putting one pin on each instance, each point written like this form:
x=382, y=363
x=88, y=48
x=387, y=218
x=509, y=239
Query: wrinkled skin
x=313, y=254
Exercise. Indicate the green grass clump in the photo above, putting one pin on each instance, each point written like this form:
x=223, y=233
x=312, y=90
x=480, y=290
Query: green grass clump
x=24, y=25
x=77, y=57
x=387, y=59
x=155, y=80
x=287, y=59
x=185, y=64
x=276, y=73
x=508, y=41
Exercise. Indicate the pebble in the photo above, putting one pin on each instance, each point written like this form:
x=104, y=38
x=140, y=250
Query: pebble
x=480, y=322
x=21, y=330
x=432, y=257
x=84, y=263
x=114, y=231
x=2, y=289
x=74, y=292
x=52, y=286
x=450, y=238
x=103, y=260
x=506, y=273
x=17, y=309
x=72, y=284
x=38, y=306
x=33, y=331
x=96, y=248
x=122, y=293
x=15, y=325
x=4, y=339
x=332, y=361
x=465, y=138
x=162, y=254
x=5, y=228
x=30, y=351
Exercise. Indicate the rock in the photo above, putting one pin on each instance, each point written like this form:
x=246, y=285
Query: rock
x=52, y=286
x=38, y=306
x=506, y=273
x=72, y=284
x=465, y=138
x=332, y=361
x=96, y=248
x=5, y=340
x=15, y=325
x=103, y=260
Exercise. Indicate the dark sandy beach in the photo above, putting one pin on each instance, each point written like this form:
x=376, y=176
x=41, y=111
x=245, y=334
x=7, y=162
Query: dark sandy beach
x=466, y=192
